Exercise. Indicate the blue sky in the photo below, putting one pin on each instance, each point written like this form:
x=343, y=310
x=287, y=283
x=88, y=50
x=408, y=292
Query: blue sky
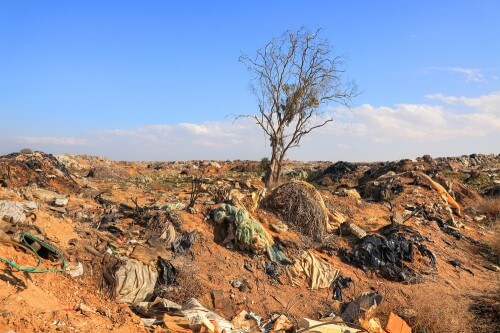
x=128, y=79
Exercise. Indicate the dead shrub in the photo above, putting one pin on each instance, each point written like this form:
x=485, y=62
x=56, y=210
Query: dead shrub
x=301, y=206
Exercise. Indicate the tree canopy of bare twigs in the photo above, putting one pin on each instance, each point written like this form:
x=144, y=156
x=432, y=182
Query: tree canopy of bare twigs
x=293, y=76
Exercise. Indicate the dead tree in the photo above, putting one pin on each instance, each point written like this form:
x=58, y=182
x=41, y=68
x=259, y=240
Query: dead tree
x=293, y=76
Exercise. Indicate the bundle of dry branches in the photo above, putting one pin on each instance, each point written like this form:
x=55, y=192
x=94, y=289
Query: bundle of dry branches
x=301, y=206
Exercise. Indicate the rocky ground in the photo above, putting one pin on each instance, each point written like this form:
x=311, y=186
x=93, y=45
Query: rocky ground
x=434, y=264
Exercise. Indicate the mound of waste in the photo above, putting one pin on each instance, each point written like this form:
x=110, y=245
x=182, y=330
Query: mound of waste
x=35, y=168
x=211, y=258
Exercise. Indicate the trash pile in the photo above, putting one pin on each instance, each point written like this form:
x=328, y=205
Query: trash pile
x=225, y=255
x=336, y=173
x=34, y=168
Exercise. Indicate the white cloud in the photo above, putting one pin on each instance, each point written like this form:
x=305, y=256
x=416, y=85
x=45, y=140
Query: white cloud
x=446, y=125
x=458, y=117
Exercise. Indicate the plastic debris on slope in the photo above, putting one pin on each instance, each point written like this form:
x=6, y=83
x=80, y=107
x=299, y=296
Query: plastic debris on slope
x=184, y=241
x=387, y=254
x=134, y=281
x=318, y=272
x=199, y=316
x=16, y=212
x=247, y=233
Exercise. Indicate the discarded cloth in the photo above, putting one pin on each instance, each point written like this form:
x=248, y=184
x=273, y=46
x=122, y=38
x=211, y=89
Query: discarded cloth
x=157, y=308
x=16, y=212
x=168, y=235
x=318, y=272
x=134, y=281
x=339, y=284
x=198, y=315
x=184, y=241
x=314, y=326
x=247, y=233
x=167, y=272
x=47, y=196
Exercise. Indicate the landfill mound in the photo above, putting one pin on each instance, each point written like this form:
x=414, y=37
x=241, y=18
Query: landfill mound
x=92, y=245
x=37, y=168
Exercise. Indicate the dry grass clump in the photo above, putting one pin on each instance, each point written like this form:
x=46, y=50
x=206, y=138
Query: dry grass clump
x=301, y=206
x=186, y=285
x=486, y=309
x=490, y=206
x=494, y=244
x=434, y=311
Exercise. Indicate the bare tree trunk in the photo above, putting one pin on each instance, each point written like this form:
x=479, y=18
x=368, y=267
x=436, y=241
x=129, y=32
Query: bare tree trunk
x=270, y=177
x=280, y=166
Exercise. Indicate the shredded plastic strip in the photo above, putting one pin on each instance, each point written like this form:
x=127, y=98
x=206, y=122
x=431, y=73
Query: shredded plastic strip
x=36, y=269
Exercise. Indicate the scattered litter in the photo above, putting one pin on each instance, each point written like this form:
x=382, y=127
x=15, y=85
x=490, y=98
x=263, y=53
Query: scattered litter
x=49, y=197
x=173, y=206
x=273, y=270
x=338, y=170
x=169, y=234
x=157, y=308
x=363, y=307
x=166, y=272
x=351, y=193
x=315, y=326
x=41, y=250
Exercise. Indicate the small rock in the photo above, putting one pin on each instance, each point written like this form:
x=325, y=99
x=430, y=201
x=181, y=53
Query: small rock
x=351, y=193
x=192, y=210
x=75, y=270
x=61, y=202
x=479, y=218
x=235, y=283
x=492, y=267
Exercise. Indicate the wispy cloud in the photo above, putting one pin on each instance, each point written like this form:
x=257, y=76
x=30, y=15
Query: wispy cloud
x=468, y=74
x=52, y=140
x=446, y=124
